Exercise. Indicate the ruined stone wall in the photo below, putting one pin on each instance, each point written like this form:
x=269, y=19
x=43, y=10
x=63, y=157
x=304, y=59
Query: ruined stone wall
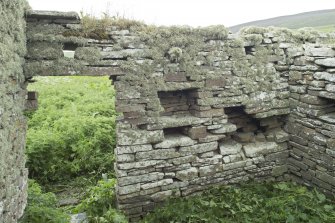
x=201, y=107
x=13, y=174
x=312, y=120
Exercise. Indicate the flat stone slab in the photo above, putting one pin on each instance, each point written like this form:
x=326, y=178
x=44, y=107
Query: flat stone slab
x=175, y=140
x=37, y=14
x=176, y=121
x=230, y=147
x=225, y=129
x=328, y=62
x=330, y=118
x=260, y=148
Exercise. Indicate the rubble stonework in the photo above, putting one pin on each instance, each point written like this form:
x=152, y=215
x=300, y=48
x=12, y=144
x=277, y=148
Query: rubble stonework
x=201, y=107
x=13, y=174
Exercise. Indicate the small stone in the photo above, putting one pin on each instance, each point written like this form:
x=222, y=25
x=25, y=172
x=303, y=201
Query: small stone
x=199, y=148
x=188, y=174
x=225, y=129
x=79, y=218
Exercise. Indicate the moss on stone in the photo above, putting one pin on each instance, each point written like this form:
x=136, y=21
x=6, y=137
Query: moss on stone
x=88, y=54
x=45, y=50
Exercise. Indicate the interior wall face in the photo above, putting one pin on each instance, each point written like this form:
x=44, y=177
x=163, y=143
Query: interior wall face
x=13, y=174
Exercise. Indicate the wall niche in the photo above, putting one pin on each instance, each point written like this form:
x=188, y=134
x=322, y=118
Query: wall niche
x=178, y=102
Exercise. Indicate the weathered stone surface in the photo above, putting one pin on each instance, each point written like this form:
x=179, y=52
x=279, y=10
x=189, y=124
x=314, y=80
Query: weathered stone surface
x=330, y=118
x=133, y=149
x=226, y=128
x=139, y=164
x=230, y=147
x=137, y=137
x=129, y=189
x=264, y=83
x=175, y=121
x=123, y=181
x=197, y=132
x=175, y=140
x=158, y=154
x=260, y=148
x=328, y=62
x=324, y=76
x=209, y=170
x=199, y=148
x=157, y=184
x=189, y=174
x=320, y=52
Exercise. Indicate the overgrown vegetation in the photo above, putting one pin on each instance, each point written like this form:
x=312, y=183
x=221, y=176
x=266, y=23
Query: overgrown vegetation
x=250, y=203
x=73, y=131
x=99, y=203
x=97, y=28
x=42, y=207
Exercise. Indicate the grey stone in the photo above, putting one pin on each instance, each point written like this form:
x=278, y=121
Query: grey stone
x=324, y=76
x=226, y=128
x=209, y=170
x=320, y=52
x=129, y=189
x=260, y=148
x=138, y=137
x=188, y=174
x=199, y=148
x=328, y=62
x=175, y=140
x=79, y=218
x=157, y=154
x=330, y=118
x=230, y=147
x=139, y=164
x=133, y=149
x=123, y=181
x=157, y=184
x=176, y=121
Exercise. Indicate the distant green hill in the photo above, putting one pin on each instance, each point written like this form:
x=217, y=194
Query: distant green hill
x=323, y=20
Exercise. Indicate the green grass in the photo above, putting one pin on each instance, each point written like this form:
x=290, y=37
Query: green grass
x=73, y=131
x=250, y=203
x=322, y=20
x=325, y=29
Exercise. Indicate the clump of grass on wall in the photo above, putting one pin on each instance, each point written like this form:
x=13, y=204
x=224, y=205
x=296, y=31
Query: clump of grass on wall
x=73, y=131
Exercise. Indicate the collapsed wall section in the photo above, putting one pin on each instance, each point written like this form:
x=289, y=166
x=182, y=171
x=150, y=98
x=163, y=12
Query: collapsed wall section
x=13, y=174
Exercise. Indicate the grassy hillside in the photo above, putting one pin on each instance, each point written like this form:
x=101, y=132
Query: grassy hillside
x=322, y=20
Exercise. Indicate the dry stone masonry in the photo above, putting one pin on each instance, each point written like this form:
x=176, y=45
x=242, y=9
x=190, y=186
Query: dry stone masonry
x=13, y=174
x=198, y=107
